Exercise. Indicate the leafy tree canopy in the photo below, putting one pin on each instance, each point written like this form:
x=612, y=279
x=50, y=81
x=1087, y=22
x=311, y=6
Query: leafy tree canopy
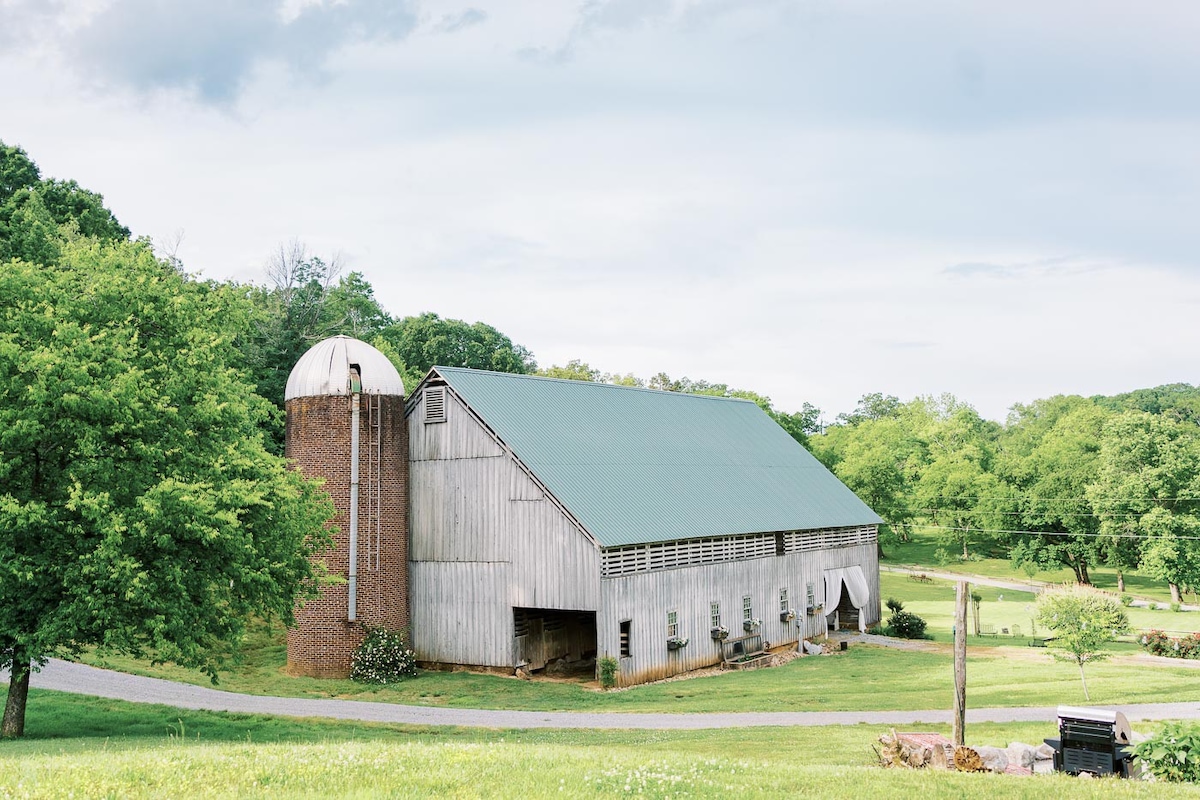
x=426, y=341
x=139, y=508
x=33, y=209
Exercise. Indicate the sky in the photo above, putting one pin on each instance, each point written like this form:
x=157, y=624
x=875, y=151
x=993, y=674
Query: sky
x=811, y=200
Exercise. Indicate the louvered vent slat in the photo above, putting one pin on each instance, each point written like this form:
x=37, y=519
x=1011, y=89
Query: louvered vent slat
x=691, y=552
x=435, y=404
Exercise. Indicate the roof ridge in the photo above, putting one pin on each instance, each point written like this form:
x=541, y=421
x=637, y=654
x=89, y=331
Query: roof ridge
x=597, y=384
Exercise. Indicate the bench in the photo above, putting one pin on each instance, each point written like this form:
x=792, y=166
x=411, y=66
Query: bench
x=987, y=629
x=744, y=652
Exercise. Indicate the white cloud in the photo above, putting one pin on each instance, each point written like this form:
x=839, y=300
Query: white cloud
x=812, y=201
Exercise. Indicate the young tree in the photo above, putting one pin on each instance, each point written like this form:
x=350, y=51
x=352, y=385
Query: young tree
x=139, y=509
x=1083, y=621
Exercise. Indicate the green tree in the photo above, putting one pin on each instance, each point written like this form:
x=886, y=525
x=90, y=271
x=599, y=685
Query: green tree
x=574, y=370
x=306, y=300
x=1148, y=489
x=874, y=406
x=139, y=509
x=427, y=341
x=956, y=487
x=1049, y=456
x=25, y=197
x=1084, y=621
x=876, y=458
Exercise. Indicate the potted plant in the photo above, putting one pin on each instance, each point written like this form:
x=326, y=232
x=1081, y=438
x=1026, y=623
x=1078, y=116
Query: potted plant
x=787, y=616
x=751, y=625
x=816, y=610
x=720, y=632
x=677, y=642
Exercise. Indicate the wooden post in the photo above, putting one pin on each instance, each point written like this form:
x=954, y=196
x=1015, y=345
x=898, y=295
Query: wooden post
x=960, y=662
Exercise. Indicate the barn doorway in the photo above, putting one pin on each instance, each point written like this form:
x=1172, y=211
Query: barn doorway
x=848, y=588
x=847, y=612
x=553, y=641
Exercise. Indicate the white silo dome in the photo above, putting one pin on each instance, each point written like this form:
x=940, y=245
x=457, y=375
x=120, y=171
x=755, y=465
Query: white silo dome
x=325, y=370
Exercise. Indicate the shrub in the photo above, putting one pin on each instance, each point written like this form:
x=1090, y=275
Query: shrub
x=1159, y=644
x=1172, y=754
x=942, y=556
x=608, y=667
x=906, y=625
x=894, y=605
x=383, y=657
x=1126, y=600
x=1176, y=607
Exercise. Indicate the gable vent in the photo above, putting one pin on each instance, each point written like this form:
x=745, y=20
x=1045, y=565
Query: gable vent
x=435, y=404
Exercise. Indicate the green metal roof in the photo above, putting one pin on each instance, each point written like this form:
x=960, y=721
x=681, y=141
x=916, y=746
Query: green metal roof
x=639, y=465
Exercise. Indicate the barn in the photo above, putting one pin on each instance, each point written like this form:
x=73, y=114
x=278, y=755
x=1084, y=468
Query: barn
x=550, y=520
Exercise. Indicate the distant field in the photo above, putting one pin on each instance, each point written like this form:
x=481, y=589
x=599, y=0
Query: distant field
x=934, y=602
x=920, y=553
x=114, y=749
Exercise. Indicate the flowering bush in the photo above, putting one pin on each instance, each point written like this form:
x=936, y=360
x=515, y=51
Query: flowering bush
x=1158, y=643
x=384, y=657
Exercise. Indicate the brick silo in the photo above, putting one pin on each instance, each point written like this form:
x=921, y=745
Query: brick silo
x=345, y=423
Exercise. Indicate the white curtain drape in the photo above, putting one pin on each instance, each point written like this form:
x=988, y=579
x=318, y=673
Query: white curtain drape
x=856, y=586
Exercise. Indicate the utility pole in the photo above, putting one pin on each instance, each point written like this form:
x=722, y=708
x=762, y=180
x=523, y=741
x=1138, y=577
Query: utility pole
x=960, y=663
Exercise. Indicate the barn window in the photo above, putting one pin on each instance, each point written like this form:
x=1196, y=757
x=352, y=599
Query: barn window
x=672, y=624
x=747, y=609
x=783, y=601
x=780, y=547
x=625, y=636
x=811, y=601
x=714, y=613
x=435, y=404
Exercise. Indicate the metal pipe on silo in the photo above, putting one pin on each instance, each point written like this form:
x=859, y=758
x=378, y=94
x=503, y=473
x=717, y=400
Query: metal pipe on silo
x=355, y=387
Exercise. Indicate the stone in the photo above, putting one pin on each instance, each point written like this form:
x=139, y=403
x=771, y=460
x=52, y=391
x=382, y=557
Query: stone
x=1043, y=752
x=994, y=759
x=1020, y=754
x=813, y=649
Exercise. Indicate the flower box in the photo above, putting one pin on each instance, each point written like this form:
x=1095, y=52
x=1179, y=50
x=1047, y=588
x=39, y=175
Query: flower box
x=815, y=610
x=787, y=616
x=677, y=643
x=720, y=633
x=751, y=625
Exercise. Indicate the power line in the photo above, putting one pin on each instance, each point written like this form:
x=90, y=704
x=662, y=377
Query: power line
x=1065, y=499
x=1057, y=513
x=1049, y=533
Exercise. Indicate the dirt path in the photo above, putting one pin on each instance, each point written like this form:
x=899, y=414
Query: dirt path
x=65, y=676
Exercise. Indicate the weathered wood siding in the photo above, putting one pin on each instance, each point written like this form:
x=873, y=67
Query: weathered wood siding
x=484, y=539
x=646, y=598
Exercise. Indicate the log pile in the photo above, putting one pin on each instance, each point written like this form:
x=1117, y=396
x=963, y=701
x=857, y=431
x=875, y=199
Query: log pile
x=915, y=750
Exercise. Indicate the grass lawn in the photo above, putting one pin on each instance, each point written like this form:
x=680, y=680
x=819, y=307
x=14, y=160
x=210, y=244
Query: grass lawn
x=88, y=747
x=863, y=678
x=934, y=602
